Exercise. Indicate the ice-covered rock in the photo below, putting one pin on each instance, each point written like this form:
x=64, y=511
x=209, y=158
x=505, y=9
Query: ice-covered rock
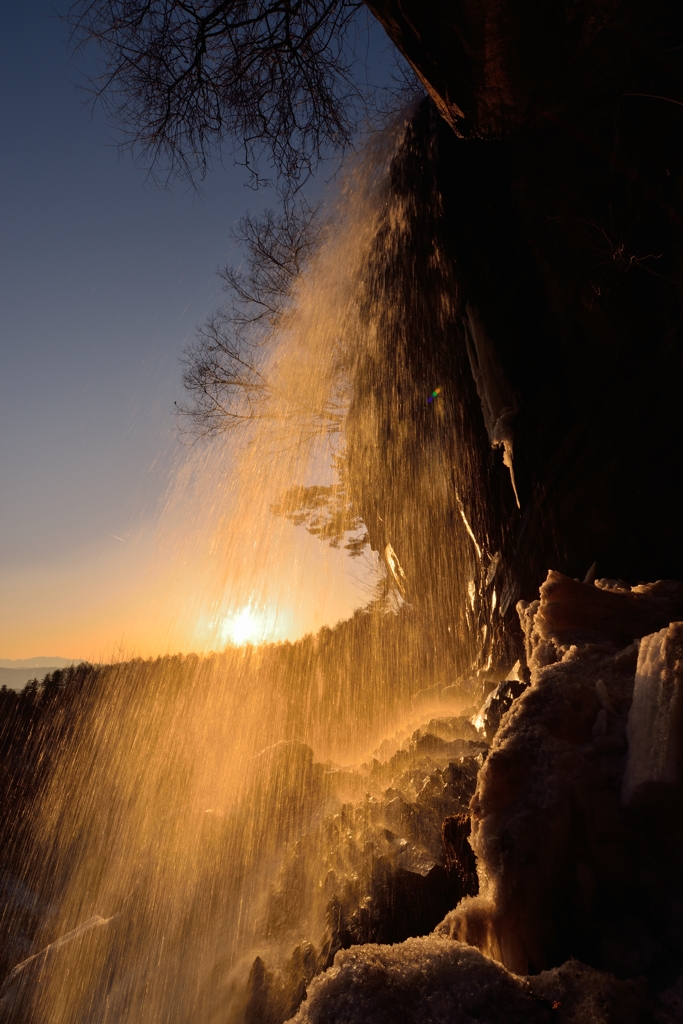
x=421, y=981
x=499, y=700
x=580, y=897
x=566, y=873
x=608, y=611
x=563, y=869
x=434, y=981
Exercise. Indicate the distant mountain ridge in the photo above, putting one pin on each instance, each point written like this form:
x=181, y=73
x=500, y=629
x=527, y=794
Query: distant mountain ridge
x=15, y=674
x=42, y=662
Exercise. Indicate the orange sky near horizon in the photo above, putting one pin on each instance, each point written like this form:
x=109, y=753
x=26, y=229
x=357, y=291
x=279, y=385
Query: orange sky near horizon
x=111, y=605
x=214, y=567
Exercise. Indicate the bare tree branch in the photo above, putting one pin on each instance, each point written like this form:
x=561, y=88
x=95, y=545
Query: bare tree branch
x=224, y=372
x=278, y=246
x=180, y=78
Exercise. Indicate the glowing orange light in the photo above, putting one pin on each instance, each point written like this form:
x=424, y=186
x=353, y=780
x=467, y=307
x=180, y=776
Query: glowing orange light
x=249, y=625
x=244, y=627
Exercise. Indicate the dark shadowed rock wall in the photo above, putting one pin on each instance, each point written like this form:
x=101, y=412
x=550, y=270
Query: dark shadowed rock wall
x=552, y=214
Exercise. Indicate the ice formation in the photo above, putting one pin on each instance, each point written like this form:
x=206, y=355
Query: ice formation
x=429, y=980
x=655, y=721
x=498, y=402
x=559, y=863
x=437, y=981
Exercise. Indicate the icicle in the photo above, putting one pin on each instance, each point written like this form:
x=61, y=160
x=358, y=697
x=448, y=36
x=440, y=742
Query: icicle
x=590, y=575
x=507, y=460
x=395, y=568
x=498, y=402
x=493, y=568
x=469, y=529
x=604, y=697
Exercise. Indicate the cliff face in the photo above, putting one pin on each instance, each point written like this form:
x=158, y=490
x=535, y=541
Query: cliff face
x=498, y=68
x=557, y=219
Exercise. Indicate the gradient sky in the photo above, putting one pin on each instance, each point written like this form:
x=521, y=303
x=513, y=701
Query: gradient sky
x=104, y=279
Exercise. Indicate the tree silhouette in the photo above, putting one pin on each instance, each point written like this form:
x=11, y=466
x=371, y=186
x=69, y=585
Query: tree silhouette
x=327, y=512
x=223, y=372
x=180, y=79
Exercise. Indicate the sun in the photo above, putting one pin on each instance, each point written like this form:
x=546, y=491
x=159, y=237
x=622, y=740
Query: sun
x=242, y=624
x=245, y=627
x=249, y=625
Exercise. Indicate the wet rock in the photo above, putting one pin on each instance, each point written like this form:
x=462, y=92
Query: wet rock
x=458, y=853
x=376, y=866
x=396, y=904
x=275, y=996
x=427, y=743
x=460, y=778
x=496, y=704
x=457, y=728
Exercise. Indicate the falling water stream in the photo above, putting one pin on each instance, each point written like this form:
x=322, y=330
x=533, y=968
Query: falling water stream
x=212, y=827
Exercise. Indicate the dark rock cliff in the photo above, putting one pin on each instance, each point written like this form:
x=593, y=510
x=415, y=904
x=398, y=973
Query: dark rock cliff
x=529, y=265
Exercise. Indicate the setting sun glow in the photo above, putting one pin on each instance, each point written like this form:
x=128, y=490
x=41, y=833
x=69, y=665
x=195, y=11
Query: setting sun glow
x=248, y=626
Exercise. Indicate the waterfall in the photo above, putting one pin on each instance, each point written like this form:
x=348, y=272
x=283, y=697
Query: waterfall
x=427, y=811
x=209, y=829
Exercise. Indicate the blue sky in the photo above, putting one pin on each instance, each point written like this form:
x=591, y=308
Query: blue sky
x=104, y=279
